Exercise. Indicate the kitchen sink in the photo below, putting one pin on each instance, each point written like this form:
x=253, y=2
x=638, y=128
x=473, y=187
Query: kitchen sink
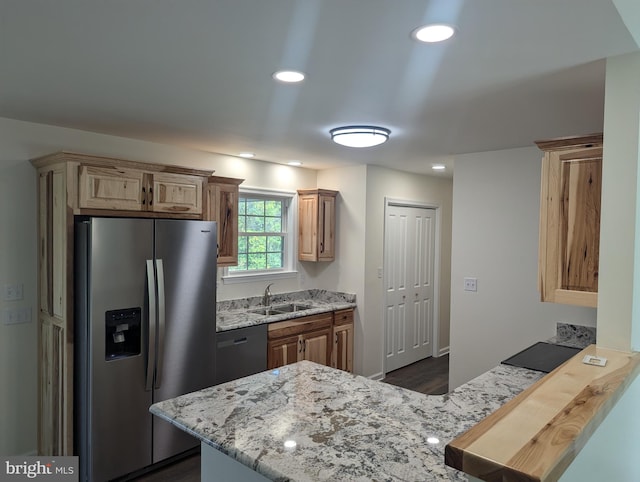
x=291, y=308
x=280, y=309
x=265, y=311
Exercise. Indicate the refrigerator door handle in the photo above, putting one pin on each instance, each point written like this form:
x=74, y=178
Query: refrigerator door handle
x=151, y=345
x=161, y=321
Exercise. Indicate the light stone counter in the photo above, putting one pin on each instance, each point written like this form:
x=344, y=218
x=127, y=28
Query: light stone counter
x=233, y=314
x=336, y=425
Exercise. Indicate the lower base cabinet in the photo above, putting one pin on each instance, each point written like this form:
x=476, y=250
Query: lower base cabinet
x=315, y=338
x=342, y=353
x=306, y=338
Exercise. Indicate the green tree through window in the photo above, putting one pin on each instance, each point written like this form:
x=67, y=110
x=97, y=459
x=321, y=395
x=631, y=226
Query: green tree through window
x=261, y=234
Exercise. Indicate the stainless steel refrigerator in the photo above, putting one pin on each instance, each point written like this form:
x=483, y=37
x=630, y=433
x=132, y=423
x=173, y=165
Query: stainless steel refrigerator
x=145, y=304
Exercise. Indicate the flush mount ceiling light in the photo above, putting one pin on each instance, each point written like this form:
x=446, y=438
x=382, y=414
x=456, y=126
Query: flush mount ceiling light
x=247, y=155
x=288, y=76
x=359, y=136
x=434, y=33
x=438, y=167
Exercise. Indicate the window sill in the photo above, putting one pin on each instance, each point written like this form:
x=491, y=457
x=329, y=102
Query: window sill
x=247, y=278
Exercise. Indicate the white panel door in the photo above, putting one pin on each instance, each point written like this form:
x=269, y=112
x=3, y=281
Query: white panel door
x=409, y=284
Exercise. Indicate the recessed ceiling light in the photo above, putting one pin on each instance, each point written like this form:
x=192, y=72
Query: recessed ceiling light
x=289, y=76
x=359, y=136
x=295, y=163
x=247, y=155
x=434, y=33
x=438, y=167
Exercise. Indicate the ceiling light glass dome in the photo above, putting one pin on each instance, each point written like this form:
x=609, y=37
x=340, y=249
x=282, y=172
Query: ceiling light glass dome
x=359, y=136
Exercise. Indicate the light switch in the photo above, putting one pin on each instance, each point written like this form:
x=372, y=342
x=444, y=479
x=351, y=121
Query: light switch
x=12, y=292
x=471, y=284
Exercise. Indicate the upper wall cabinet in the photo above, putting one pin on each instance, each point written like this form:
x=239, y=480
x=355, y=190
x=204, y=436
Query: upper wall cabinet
x=570, y=220
x=117, y=187
x=316, y=224
x=221, y=198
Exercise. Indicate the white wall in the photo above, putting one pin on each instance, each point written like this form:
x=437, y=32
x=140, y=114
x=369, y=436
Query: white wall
x=496, y=203
x=381, y=183
x=347, y=274
x=18, y=264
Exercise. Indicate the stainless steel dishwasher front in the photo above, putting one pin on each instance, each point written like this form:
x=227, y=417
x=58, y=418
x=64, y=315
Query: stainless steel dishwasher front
x=241, y=352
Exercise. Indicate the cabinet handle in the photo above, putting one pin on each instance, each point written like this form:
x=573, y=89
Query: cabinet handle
x=321, y=246
x=150, y=196
x=144, y=196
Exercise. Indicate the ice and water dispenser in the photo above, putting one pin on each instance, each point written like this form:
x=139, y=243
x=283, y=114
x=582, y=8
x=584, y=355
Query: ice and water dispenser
x=123, y=333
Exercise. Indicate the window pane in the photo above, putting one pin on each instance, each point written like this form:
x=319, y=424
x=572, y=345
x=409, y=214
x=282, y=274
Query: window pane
x=242, y=207
x=257, y=261
x=255, y=207
x=242, y=244
x=242, y=262
x=273, y=208
x=275, y=243
x=274, y=260
x=273, y=225
x=242, y=224
x=254, y=224
x=257, y=244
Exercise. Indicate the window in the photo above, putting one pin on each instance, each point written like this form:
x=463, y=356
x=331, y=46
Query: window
x=265, y=235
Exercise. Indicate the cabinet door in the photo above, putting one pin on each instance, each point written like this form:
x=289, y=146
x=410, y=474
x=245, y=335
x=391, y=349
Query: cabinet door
x=227, y=210
x=570, y=226
x=283, y=351
x=55, y=404
x=176, y=193
x=317, y=346
x=308, y=227
x=110, y=188
x=326, y=227
x=343, y=347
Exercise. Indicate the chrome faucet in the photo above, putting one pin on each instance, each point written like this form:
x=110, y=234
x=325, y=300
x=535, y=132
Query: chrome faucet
x=266, y=299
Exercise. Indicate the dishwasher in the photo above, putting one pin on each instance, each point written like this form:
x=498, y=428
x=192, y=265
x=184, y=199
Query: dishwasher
x=241, y=352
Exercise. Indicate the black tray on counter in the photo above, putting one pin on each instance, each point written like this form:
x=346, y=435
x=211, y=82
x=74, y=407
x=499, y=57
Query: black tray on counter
x=542, y=356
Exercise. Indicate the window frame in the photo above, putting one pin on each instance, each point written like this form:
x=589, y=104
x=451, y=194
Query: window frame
x=289, y=269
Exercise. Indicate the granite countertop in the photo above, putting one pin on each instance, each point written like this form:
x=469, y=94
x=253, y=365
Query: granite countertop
x=233, y=314
x=345, y=426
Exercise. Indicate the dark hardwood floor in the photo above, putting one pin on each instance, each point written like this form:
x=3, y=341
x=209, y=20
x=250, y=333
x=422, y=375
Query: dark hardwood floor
x=429, y=376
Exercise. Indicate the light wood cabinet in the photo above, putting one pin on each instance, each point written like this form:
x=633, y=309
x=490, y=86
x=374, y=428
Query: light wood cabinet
x=570, y=220
x=342, y=352
x=221, y=197
x=306, y=338
x=55, y=340
x=75, y=184
x=122, y=189
x=316, y=224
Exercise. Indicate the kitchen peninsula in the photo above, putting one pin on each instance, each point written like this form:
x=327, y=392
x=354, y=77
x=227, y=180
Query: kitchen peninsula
x=310, y=422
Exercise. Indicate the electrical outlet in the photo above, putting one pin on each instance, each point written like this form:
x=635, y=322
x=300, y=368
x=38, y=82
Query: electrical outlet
x=471, y=284
x=13, y=316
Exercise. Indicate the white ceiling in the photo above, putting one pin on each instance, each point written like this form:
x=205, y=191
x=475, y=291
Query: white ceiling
x=197, y=73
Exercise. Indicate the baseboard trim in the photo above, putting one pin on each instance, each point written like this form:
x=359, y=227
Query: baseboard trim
x=377, y=376
x=443, y=351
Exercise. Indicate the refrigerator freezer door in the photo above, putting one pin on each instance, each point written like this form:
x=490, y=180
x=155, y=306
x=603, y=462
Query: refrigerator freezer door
x=186, y=253
x=119, y=424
